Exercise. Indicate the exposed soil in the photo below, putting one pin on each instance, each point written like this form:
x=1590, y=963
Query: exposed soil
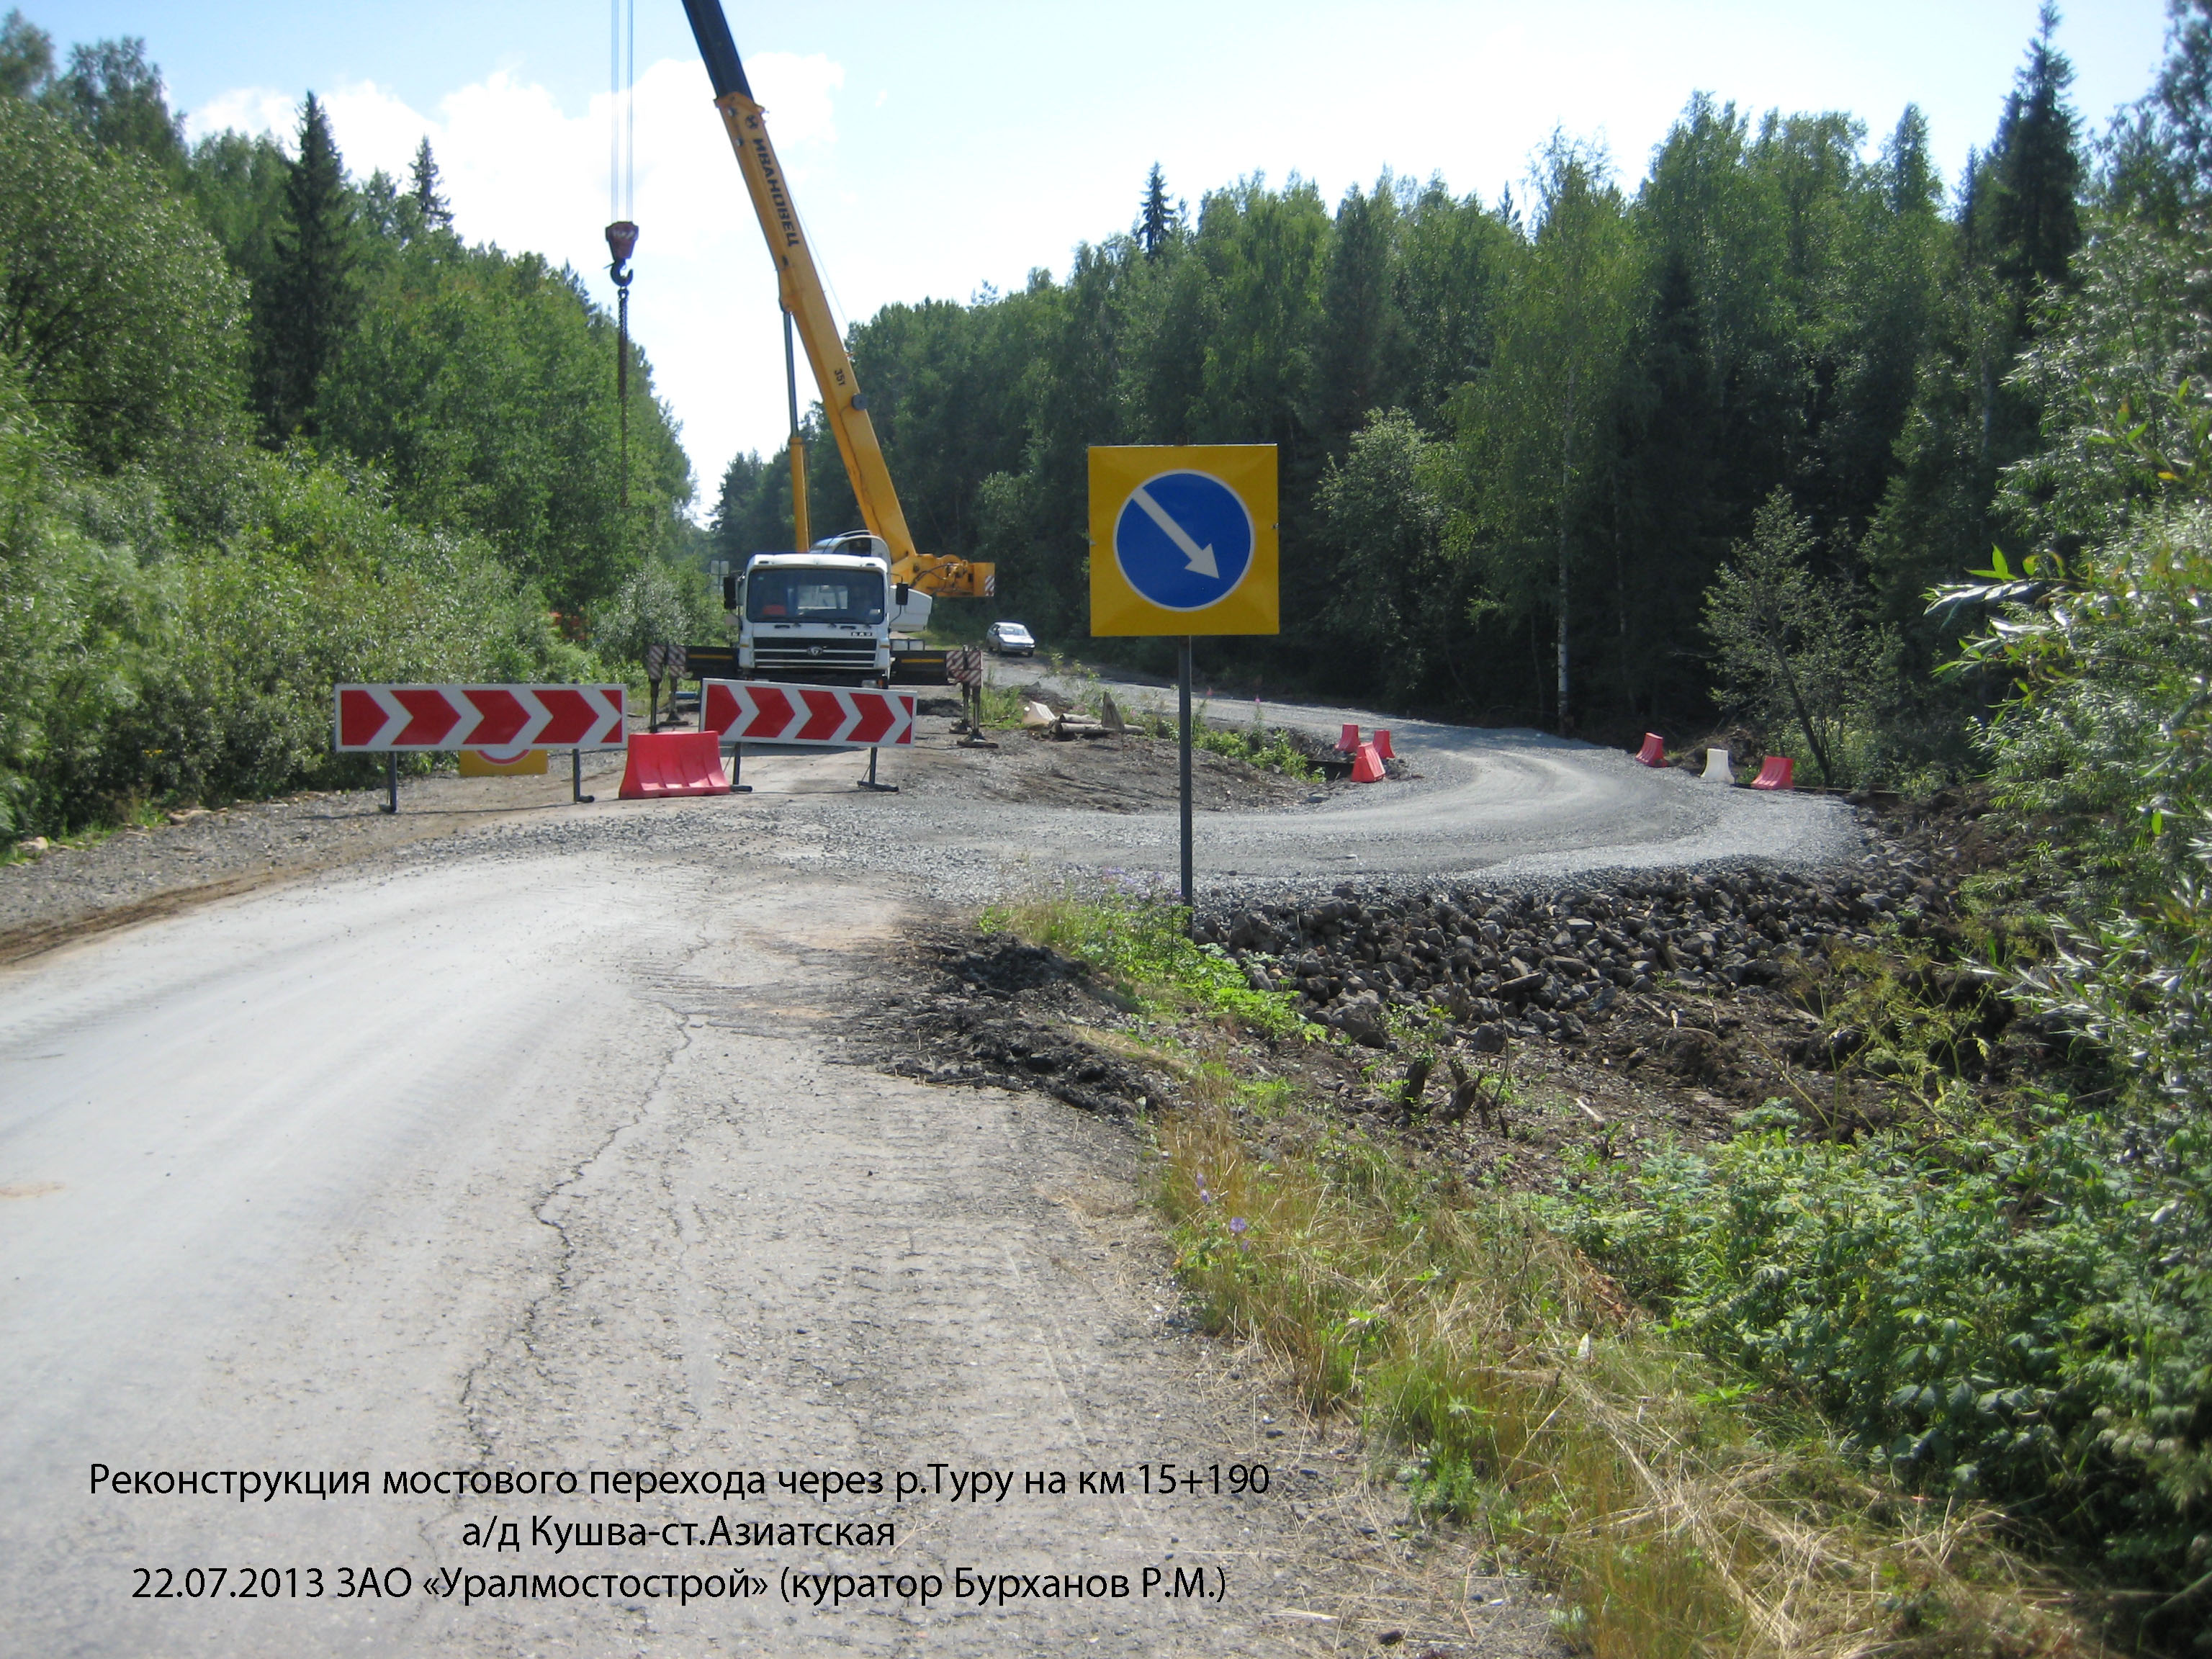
x=1515, y=1035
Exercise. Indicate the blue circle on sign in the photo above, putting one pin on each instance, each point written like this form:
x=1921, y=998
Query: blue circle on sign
x=1183, y=540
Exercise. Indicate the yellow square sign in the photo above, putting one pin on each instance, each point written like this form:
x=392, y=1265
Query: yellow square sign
x=1183, y=539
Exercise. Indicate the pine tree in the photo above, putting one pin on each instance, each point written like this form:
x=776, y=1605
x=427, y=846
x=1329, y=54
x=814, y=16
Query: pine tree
x=2035, y=169
x=2157, y=153
x=307, y=304
x=1357, y=326
x=429, y=202
x=1158, y=222
x=1911, y=184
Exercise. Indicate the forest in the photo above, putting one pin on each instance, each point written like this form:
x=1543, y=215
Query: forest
x=263, y=428
x=1522, y=441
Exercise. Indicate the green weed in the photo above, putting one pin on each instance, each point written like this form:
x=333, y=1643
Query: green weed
x=1269, y=748
x=1141, y=948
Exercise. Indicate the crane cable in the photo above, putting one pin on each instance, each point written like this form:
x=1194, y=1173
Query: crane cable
x=622, y=199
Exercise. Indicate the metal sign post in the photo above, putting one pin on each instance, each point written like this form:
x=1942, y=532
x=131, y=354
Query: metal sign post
x=1182, y=697
x=1183, y=542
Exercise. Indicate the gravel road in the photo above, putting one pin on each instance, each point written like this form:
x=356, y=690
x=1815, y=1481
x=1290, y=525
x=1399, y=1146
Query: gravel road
x=1502, y=806
x=514, y=1135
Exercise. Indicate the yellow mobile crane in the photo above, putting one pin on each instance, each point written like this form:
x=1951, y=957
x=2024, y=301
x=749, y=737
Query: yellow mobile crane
x=805, y=304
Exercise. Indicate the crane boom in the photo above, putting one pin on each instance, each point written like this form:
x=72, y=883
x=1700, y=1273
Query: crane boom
x=805, y=302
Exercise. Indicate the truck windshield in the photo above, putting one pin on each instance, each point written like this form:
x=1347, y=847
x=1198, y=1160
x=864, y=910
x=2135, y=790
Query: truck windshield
x=798, y=594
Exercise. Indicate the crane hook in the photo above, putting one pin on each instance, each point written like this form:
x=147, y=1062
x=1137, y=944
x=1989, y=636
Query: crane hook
x=622, y=242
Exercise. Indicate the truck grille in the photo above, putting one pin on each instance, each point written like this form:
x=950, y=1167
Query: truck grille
x=793, y=657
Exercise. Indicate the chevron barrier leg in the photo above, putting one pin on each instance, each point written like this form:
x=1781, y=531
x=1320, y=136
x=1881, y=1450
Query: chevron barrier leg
x=1347, y=741
x=1777, y=772
x=1382, y=744
x=1718, y=767
x=869, y=782
x=1368, y=768
x=1654, y=752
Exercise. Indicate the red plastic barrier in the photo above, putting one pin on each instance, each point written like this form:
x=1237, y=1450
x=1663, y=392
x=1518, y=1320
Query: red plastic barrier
x=674, y=763
x=1347, y=741
x=1780, y=772
x=1368, y=768
x=1382, y=744
x=1654, y=752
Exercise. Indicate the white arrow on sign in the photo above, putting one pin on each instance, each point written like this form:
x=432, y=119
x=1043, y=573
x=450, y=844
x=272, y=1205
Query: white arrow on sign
x=1200, y=559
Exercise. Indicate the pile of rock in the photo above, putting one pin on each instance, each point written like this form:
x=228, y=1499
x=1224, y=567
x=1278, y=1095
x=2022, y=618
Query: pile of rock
x=1528, y=964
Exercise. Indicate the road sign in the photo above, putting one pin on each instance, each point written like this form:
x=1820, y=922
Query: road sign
x=822, y=716
x=1183, y=539
x=504, y=720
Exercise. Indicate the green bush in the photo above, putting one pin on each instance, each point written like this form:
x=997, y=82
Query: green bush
x=2022, y=1313
x=138, y=663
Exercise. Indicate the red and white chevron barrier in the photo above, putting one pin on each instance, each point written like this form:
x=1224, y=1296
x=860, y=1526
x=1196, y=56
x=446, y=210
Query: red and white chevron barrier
x=842, y=717
x=505, y=719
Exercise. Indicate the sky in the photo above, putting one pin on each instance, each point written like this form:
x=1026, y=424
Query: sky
x=936, y=150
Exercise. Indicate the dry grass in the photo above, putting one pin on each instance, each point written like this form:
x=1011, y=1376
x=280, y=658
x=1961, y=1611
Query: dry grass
x=1679, y=1514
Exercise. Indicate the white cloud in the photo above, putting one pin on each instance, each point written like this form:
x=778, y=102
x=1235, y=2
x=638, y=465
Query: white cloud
x=522, y=172
x=250, y=109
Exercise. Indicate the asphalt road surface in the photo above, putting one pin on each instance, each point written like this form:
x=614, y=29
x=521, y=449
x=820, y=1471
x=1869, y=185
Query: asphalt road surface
x=531, y=1149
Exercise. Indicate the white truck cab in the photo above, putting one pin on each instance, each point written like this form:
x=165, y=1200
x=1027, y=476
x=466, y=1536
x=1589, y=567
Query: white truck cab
x=826, y=617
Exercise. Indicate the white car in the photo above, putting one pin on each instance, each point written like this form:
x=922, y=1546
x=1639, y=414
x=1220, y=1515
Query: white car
x=1011, y=639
